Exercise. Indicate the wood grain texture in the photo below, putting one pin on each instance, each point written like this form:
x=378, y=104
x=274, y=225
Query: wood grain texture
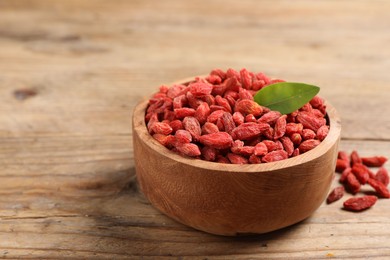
x=67, y=166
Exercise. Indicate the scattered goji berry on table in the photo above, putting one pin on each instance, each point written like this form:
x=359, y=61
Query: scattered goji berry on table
x=360, y=203
x=336, y=194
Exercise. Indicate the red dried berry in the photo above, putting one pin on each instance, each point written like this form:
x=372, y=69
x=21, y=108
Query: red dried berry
x=308, y=145
x=165, y=140
x=209, y=153
x=322, y=132
x=228, y=122
x=308, y=134
x=248, y=131
x=345, y=174
x=292, y=128
x=236, y=159
x=308, y=120
x=360, y=173
x=360, y=203
x=191, y=124
x=213, y=117
x=380, y=188
x=269, y=117
x=184, y=112
x=161, y=128
x=200, y=89
x=343, y=156
x=248, y=106
x=202, y=112
x=287, y=145
x=376, y=161
x=383, y=176
x=341, y=165
x=355, y=158
x=296, y=139
x=336, y=194
x=253, y=159
x=209, y=128
x=280, y=127
x=220, y=140
x=188, y=149
x=274, y=156
x=260, y=149
x=183, y=136
x=352, y=184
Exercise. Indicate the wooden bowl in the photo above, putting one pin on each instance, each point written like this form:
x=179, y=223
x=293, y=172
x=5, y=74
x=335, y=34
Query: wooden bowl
x=228, y=199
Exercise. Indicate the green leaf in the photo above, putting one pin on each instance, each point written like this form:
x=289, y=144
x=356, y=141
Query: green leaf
x=286, y=97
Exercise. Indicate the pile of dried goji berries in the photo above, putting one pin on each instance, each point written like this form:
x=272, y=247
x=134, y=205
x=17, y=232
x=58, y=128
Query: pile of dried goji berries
x=215, y=118
x=355, y=173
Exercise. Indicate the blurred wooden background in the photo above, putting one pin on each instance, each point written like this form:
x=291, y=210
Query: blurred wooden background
x=72, y=71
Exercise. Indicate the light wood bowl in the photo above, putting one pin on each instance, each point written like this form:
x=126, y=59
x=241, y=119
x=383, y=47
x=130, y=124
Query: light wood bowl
x=228, y=199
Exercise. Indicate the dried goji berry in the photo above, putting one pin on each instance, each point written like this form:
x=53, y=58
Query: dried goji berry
x=248, y=106
x=176, y=125
x=200, y=89
x=236, y=159
x=287, y=145
x=308, y=134
x=248, y=131
x=274, y=156
x=360, y=172
x=280, y=127
x=296, y=139
x=166, y=140
x=223, y=103
x=250, y=118
x=296, y=152
x=271, y=145
x=209, y=153
x=336, y=194
x=228, y=123
x=383, y=176
x=189, y=149
x=380, y=188
x=355, y=158
x=308, y=120
x=269, y=117
x=209, y=128
x=245, y=94
x=183, y=112
x=292, y=128
x=352, y=184
x=246, y=79
x=375, y=161
x=183, y=136
x=191, y=124
x=322, y=132
x=343, y=156
x=202, y=112
x=222, y=159
x=254, y=159
x=260, y=149
x=345, y=174
x=308, y=145
x=220, y=140
x=161, y=128
x=360, y=203
x=213, y=117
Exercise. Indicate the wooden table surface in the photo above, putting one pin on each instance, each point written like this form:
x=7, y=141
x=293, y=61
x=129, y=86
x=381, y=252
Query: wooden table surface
x=71, y=73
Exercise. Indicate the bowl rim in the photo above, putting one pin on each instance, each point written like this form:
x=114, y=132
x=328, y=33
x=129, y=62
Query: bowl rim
x=140, y=129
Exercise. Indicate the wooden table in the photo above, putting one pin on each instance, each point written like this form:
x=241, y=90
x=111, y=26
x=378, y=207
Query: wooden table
x=72, y=71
